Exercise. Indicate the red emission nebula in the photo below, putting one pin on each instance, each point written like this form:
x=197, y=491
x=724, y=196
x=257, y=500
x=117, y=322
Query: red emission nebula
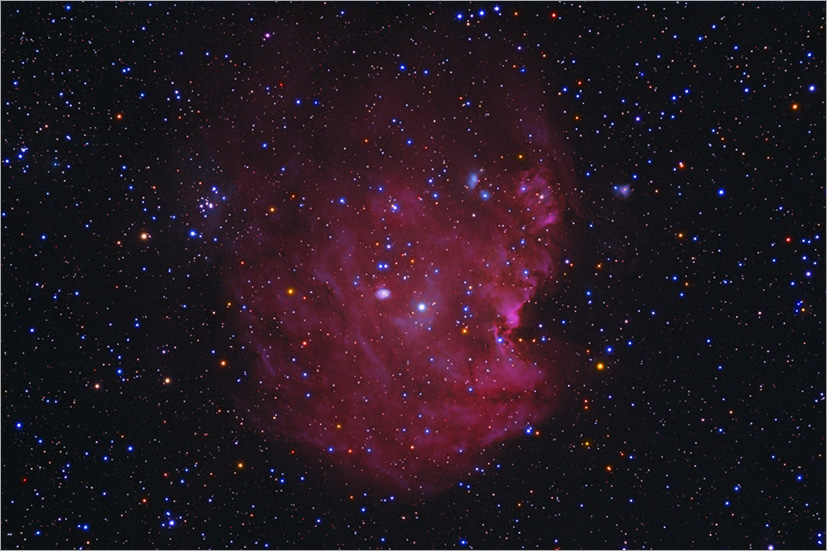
x=389, y=244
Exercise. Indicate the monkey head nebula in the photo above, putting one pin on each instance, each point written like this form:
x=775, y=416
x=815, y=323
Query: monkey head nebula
x=392, y=234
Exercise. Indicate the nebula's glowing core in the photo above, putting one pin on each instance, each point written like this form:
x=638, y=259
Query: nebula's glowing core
x=381, y=281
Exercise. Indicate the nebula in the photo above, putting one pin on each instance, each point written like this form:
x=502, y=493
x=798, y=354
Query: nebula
x=387, y=251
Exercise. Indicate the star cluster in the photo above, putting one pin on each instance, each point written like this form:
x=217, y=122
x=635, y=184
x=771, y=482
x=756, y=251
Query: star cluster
x=450, y=275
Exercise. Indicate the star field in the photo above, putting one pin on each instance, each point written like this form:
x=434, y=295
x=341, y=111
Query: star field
x=413, y=276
